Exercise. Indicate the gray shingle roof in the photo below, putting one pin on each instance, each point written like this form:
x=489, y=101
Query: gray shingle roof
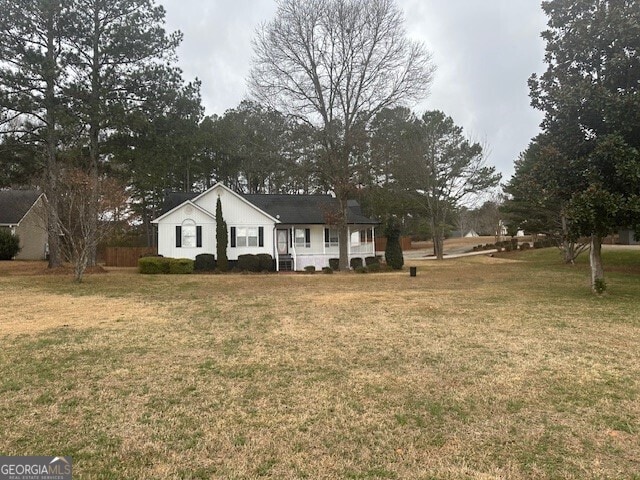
x=289, y=209
x=306, y=209
x=14, y=205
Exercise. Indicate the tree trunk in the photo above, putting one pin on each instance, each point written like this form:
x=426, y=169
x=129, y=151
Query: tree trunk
x=568, y=247
x=94, y=138
x=51, y=180
x=438, y=241
x=595, y=260
x=343, y=235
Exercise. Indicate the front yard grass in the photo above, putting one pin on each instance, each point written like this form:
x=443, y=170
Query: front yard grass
x=478, y=368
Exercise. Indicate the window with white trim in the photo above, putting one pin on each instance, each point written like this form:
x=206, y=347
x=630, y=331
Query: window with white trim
x=331, y=238
x=188, y=234
x=302, y=238
x=247, y=236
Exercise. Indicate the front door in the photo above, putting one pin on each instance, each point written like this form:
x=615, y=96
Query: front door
x=283, y=242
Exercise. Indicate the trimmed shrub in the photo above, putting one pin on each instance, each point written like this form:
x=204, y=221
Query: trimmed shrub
x=525, y=246
x=180, y=265
x=248, y=263
x=371, y=261
x=153, y=265
x=222, y=238
x=327, y=270
x=205, y=262
x=266, y=263
x=361, y=269
x=514, y=243
x=9, y=244
x=310, y=269
x=393, y=252
x=334, y=263
x=355, y=263
x=374, y=268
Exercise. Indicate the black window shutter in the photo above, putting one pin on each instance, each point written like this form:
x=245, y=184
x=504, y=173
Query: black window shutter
x=291, y=237
x=178, y=236
x=307, y=236
x=199, y=236
x=261, y=236
x=233, y=237
x=326, y=235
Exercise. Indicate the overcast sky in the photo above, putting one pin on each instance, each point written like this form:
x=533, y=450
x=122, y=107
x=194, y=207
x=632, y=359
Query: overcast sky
x=484, y=51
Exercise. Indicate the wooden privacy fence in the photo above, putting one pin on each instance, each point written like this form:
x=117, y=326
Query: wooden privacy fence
x=381, y=243
x=126, y=256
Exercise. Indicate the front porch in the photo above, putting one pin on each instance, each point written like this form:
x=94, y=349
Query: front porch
x=298, y=246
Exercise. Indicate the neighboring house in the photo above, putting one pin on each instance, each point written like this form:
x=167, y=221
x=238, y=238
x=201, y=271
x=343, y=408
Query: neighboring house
x=291, y=228
x=471, y=233
x=24, y=213
x=627, y=237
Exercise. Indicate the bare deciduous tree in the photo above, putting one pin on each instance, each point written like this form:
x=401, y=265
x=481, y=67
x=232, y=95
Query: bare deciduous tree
x=76, y=218
x=334, y=64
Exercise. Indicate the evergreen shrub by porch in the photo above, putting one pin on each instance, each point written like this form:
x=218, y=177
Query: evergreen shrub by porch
x=205, y=262
x=266, y=263
x=327, y=270
x=334, y=263
x=393, y=252
x=361, y=269
x=374, y=267
x=525, y=246
x=248, y=263
x=180, y=265
x=371, y=261
x=9, y=244
x=310, y=269
x=355, y=263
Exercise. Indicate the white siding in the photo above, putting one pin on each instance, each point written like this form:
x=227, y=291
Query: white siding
x=167, y=233
x=235, y=211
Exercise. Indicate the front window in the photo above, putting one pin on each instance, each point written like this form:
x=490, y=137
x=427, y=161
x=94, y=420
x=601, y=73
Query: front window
x=247, y=237
x=302, y=238
x=361, y=237
x=331, y=238
x=188, y=234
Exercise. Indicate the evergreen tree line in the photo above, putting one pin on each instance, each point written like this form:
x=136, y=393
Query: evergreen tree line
x=95, y=112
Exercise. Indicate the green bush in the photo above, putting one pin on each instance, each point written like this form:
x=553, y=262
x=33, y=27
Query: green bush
x=374, y=267
x=153, y=265
x=525, y=246
x=310, y=269
x=361, y=269
x=205, y=262
x=327, y=270
x=355, y=263
x=9, y=244
x=248, y=263
x=371, y=261
x=334, y=263
x=164, y=265
x=266, y=263
x=180, y=265
x=393, y=252
x=600, y=286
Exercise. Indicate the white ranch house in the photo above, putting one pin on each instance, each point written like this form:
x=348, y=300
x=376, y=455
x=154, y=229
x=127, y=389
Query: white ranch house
x=291, y=228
